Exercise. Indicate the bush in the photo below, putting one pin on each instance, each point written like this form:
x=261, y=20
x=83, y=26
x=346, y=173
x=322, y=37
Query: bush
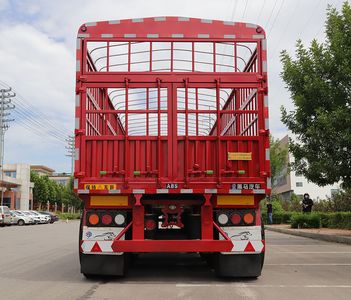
x=282, y=217
x=300, y=220
x=340, y=220
x=69, y=216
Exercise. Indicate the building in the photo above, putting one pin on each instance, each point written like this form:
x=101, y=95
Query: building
x=59, y=178
x=16, y=187
x=291, y=182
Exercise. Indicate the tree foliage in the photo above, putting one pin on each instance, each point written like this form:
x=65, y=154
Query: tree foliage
x=319, y=80
x=278, y=158
x=48, y=190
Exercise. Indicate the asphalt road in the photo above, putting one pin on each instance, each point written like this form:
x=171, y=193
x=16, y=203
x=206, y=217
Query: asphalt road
x=41, y=262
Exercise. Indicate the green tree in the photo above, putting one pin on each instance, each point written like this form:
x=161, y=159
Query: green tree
x=319, y=80
x=40, y=190
x=278, y=158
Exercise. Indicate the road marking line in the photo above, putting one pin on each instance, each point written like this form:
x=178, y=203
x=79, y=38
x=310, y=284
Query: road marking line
x=332, y=264
x=243, y=285
x=316, y=252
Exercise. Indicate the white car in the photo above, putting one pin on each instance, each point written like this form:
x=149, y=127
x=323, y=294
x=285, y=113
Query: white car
x=44, y=219
x=20, y=218
x=36, y=218
x=5, y=216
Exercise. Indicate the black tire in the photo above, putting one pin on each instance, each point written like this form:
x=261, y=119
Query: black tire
x=21, y=222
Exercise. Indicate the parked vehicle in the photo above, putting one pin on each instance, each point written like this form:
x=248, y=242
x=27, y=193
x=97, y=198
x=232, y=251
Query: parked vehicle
x=172, y=142
x=53, y=218
x=43, y=219
x=5, y=216
x=35, y=217
x=20, y=218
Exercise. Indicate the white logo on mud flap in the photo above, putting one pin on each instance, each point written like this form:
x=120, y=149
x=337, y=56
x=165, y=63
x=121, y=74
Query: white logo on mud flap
x=100, y=233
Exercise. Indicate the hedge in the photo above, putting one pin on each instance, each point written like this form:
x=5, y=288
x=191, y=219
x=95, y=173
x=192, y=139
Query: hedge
x=312, y=220
x=339, y=220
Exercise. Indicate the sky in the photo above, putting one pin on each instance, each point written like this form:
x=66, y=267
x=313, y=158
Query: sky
x=37, y=58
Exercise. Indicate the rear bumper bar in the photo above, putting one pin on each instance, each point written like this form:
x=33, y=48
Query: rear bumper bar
x=172, y=246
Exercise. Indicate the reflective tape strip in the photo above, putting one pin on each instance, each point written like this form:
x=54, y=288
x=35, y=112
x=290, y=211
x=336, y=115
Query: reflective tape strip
x=229, y=36
x=78, y=44
x=264, y=66
x=107, y=35
x=258, y=36
x=87, y=245
x=177, y=35
x=76, y=154
x=265, y=101
x=234, y=191
x=114, y=22
x=159, y=19
x=83, y=191
x=183, y=19
x=75, y=183
x=206, y=21
x=78, y=100
x=83, y=35
x=114, y=191
x=129, y=35
x=260, y=191
x=203, y=35
x=162, y=191
x=89, y=24
x=77, y=123
x=152, y=35
x=105, y=246
x=229, y=23
x=264, y=44
x=267, y=154
x=210, y=191
x=186, y=191
x=269, y=183
x=138, y=20
x=250, y=25
x=78, y=65
x=266, y=123
x=138, y=191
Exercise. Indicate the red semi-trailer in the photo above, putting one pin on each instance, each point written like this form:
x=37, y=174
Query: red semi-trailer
x=172, y=142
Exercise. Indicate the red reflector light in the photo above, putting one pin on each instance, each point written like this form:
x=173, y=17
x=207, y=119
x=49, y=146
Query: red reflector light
x=150, y=224
x=106, y=219
x=93, y=219
x=248, y=218
x=235, y=218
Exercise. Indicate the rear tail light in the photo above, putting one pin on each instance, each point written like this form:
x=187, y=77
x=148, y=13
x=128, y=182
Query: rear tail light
x=106, y=219
x=94, y=219
x=120, y=219
x=235, y=218
x=150, y=224
x=223, y=218
x=248, y=218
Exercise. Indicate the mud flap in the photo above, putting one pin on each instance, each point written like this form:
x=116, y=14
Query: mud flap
x=109, y=265
x=239, y=265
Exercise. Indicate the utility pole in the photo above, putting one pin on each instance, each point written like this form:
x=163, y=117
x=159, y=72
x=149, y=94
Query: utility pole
x=71, y=151
x=5, y=107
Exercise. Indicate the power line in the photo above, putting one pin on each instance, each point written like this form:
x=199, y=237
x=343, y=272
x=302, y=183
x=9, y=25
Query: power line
x=276, y=16
x=261, y=10
x=244, y=13
x=71, y=151
x=271, y=13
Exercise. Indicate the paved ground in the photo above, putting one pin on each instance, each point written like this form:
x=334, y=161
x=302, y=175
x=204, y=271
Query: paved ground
x=41, y=262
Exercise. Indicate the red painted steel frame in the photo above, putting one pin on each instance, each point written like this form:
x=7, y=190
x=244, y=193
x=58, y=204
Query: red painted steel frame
x=172, y=151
